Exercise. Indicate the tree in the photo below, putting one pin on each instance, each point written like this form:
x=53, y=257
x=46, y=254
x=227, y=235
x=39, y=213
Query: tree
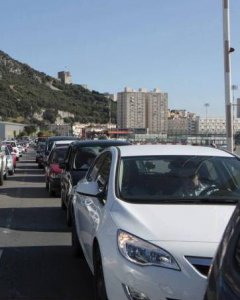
x=30, y=129
x=50, y=115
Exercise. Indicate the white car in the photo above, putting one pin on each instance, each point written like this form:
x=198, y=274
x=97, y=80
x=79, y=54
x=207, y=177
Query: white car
x=14, y=147
x=148, y=219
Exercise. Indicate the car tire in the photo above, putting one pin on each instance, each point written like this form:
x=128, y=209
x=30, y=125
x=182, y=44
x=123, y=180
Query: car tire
x=100, y=292
x=11, y=172
x=77, y=249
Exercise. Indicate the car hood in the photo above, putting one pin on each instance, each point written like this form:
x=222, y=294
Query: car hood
x=171, y=222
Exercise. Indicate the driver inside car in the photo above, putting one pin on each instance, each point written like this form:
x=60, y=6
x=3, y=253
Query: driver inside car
x=192, y=186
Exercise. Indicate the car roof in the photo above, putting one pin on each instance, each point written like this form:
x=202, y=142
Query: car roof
x=101, y=143
x=61, y=137
x=143, y=150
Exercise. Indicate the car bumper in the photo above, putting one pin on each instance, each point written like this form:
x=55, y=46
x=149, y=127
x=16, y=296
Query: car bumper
x=153, y=282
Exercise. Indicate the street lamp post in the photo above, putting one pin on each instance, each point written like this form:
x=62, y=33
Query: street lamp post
x=110, y=113
x=227, y=75
x=234, y=88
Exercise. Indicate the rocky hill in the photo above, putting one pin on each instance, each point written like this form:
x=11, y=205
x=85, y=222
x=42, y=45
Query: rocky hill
x=26, y=93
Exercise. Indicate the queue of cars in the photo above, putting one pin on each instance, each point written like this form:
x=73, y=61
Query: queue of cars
x=149, y=219
x=10, y=152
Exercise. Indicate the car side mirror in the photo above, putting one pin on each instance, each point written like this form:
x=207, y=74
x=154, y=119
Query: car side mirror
x=88, y=189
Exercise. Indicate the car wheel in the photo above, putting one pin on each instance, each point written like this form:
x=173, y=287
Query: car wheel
x=99, y=282
x=11, y=172
x=77, y=249
x=50, y=190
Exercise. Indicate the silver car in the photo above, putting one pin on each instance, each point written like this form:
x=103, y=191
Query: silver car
x=9, y=165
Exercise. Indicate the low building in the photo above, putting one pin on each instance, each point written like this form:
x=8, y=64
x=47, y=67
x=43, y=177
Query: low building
x=9, y=130
x=182, y=122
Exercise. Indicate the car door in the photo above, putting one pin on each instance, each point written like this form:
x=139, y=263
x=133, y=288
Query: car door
x=90, y=210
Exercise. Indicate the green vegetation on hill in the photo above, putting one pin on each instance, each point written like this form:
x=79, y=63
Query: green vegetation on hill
x=25, y=91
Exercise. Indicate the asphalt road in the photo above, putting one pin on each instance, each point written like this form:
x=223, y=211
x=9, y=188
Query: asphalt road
x=36, y=259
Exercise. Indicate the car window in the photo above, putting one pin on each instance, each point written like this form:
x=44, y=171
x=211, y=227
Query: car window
x=100, y=171
x=95, y=168
x=103, y=174
x=83, y=158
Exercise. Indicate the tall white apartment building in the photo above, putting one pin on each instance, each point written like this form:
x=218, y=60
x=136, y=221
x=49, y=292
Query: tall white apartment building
x=216, y=126
x=142, y=110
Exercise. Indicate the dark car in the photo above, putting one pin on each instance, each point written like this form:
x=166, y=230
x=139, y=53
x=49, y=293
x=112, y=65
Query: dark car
x=78, y=159
x=40, y=154
x=49, y=142
x=224, y=276
x=53, y=170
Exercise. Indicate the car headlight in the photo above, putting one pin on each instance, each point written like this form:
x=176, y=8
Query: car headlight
x=144, y=253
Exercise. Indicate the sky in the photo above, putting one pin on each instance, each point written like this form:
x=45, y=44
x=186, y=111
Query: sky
x=174, y=45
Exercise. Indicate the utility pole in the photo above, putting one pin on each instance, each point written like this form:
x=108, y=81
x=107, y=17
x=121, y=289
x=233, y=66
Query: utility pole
x=227, y=75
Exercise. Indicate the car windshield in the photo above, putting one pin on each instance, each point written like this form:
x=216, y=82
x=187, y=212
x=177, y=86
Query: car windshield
x=179, y=178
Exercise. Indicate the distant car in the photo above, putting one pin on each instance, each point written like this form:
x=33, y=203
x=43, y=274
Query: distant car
x=1, y=168
x=13, y=144
x=24, y=146
x=14, y=156
x=4, y=165
x=224, y=277
x=49, y=142
x=40, y=154
x=148, y=219
x=53, y=170
x=9, y=161
x=20, y=149
x=79, y=156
